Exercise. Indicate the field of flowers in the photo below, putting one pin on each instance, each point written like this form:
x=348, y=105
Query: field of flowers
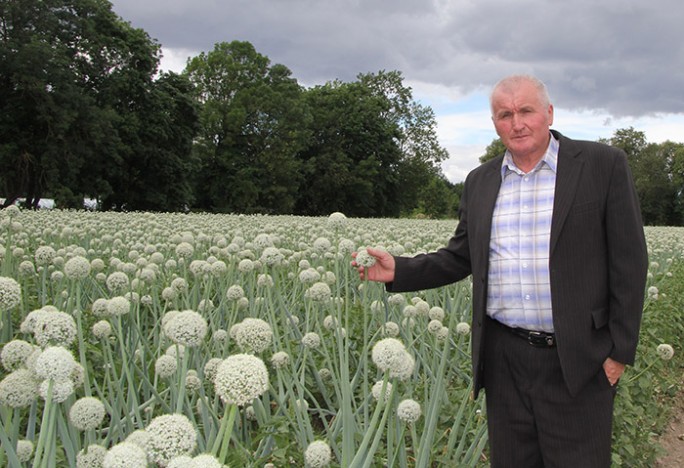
x=199, y=340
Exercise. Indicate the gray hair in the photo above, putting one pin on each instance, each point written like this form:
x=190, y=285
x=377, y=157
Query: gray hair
x=513, y=81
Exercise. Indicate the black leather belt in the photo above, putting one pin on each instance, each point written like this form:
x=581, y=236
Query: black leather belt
x=535, y=338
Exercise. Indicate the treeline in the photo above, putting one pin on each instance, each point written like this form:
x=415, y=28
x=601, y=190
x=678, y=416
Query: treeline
x=84, y=113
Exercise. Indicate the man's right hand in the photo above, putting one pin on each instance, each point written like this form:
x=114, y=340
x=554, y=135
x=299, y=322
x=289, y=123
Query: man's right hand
x=382, y=271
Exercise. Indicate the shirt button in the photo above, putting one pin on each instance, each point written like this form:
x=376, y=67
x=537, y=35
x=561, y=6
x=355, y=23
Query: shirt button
x=524, y=265
x=527, y=297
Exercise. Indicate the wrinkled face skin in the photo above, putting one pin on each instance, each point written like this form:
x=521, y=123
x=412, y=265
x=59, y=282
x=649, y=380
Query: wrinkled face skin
x=522, y=120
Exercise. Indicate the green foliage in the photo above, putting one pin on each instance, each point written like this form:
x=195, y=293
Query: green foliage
x=644, y=401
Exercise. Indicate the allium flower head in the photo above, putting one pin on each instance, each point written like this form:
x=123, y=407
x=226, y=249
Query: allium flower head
x=87, y=413
x=390, y=354
x=409, y=411
x=311, y=340
x=318, y=292
x=18, y=389
x=77, y=268
x=240, y=379
x=235, y=292
x=61, y=389
x=245, y=265
x=253, y=334
x=125, y=455
x=55, y=362
x=165, y=366
x=170, y=436
x=117, y=281
x=337, y=220
x=376, y=391
x=318, y=454
x=309, y=276
x=99, y=307
x=181, y=461
x=15, y=353
x=322, y=245
x=390, y=329
x=265, y=280
x=55, y=328
x=210, y=368
x=345, y=246
x=271, y=256
x=364, y=259
x=92, y=457
x=463, y=328
x=179, y=285
x=204, y=460
x=118, y=306
x=102, y=329
x=10, y=293
x=280, y=359
x=184, y=250
x=434, y=326
x=187, y=328
x=24, y=450
x=665, y=351
x=436, y=313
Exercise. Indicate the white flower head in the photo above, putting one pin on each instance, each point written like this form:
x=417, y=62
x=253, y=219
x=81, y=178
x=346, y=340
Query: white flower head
x=118, y=306
x=125, y=455
x=55, y=328
x=462, y=328
x=102, y=329
x=15, y=353
x=318, y=292
x=318, y=454
x=665, y=351
x=322, y=245
x=187, y=328
x=240, y=379
x=254, y=334
x=117, y=281
x=337, y=220
x=389, y=354
x=165, y=366
x=61, y=389
x=204, y=460
x=18, y=389
x=44, y=255
x=91, y=457
x=409, y=411
x=436, y=313
x=10, y=293
x=24, y=450
x=235, y=292
x=271, y=256
x=364, y=259
x=390, y=329
x=376, y=391
x=184, y=250
x=170, y=435
x=265, y=280
x=55, y=362
x=280, y=359
x=77, y=267
x=311, y=340
x=87, y=413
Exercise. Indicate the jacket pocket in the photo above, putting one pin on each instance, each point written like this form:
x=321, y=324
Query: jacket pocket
x=600, y=317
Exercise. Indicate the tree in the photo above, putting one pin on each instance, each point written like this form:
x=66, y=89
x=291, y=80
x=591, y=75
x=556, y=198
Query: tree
x=252, y=125
x=495, y=149
x=75, y=103
x=351, y=159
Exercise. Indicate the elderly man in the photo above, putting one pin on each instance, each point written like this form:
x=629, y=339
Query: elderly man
x=552, y=234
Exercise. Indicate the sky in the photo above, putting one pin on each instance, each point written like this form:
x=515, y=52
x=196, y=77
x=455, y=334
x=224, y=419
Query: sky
x=608, y=64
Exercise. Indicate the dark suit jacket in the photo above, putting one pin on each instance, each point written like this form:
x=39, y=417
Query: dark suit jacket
x=598, y=260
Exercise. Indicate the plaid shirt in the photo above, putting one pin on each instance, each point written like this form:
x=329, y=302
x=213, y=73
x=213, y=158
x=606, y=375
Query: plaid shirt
x=519, y=293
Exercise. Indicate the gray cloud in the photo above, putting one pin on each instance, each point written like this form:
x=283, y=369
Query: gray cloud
x=622, y=57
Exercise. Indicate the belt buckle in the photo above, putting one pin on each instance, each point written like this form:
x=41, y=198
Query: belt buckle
x=537, y=338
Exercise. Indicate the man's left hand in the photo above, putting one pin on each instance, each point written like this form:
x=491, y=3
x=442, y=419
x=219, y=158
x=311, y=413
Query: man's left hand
x=613, y=370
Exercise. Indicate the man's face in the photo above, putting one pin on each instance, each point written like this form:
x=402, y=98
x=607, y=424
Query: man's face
x=522, y=121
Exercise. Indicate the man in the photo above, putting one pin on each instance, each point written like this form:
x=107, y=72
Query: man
x=552, y=234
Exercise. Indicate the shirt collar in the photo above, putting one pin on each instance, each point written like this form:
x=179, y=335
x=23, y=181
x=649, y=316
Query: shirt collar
x=550, y=158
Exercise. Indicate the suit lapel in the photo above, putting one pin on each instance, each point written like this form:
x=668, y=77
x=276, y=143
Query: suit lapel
x=567, y=178
x=486, y=199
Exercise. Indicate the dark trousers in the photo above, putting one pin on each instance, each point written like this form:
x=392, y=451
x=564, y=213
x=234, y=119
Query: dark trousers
x=533, y=420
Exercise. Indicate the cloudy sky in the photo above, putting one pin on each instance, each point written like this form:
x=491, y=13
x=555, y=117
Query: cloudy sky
x=608, y=64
